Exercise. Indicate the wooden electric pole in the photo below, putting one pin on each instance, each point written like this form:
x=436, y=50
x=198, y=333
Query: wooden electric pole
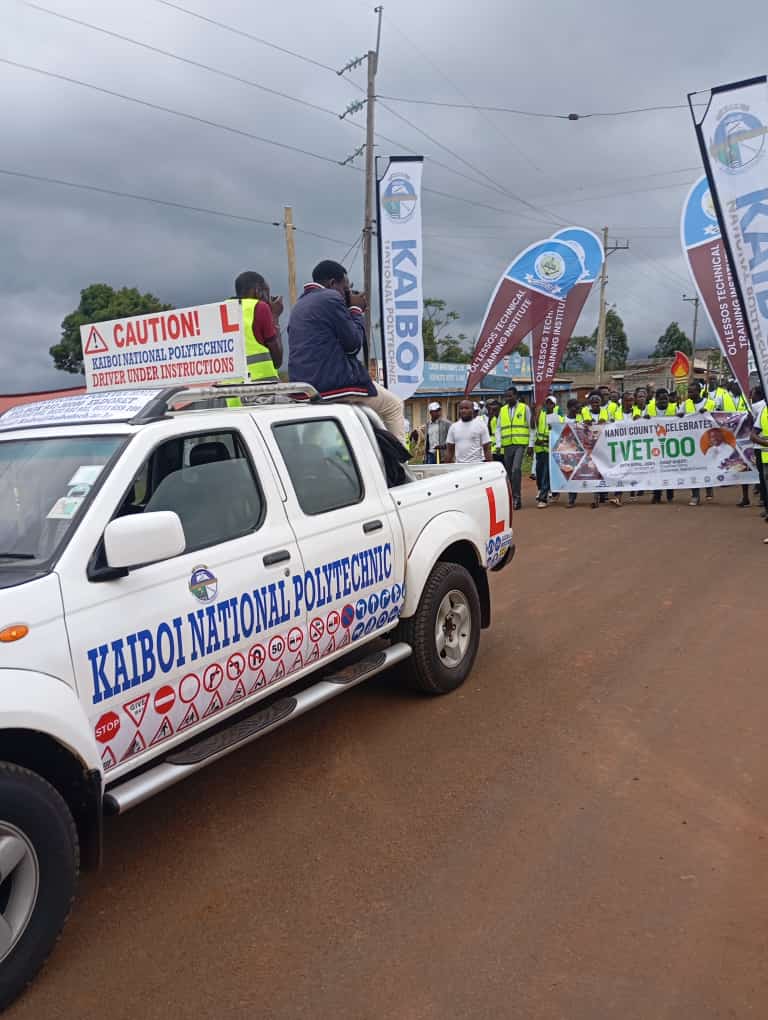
x=370, y=174
x=695, y=302
x=290, y=249
x=601, y=322
x=600, y=350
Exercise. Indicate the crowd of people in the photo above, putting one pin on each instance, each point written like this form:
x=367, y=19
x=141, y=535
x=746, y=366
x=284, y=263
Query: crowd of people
x=510, y=431
x=327, y=333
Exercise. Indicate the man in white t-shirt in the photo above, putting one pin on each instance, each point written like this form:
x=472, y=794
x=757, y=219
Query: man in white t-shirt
x=468, y=439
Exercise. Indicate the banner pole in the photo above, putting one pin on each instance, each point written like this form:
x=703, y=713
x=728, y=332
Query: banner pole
x=384, y=374
x=721, y=222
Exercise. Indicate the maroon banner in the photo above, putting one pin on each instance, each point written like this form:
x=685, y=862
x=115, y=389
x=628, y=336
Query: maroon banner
x=541, y=276
x=550, y=338
x=714, y=281
x=514, y=312
x=711, y=271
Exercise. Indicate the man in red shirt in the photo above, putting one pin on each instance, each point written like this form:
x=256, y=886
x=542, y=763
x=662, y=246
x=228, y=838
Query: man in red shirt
x=250, y=286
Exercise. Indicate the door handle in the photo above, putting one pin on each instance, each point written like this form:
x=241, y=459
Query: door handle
x=370, y=526
x=281, y=556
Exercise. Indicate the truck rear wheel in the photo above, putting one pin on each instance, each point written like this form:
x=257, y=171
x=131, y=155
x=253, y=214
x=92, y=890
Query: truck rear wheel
x=39, y=861
x=444, y=632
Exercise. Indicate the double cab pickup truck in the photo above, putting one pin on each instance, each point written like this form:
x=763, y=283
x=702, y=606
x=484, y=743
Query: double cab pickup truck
x=179, y=578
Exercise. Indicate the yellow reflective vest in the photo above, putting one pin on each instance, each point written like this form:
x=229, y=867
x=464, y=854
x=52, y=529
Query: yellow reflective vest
x=586, y=415
x=257, y=357
x=492, y=429
x=541, y=444
x=668, y=411
x=690, y=407
x=764, y=433
x=731, y=404
x=514, y=426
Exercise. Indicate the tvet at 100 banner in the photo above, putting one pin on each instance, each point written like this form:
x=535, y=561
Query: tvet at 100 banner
x=653, y=453
x=183, y=346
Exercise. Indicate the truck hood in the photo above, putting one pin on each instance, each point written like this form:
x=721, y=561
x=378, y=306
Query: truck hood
x=38, y=605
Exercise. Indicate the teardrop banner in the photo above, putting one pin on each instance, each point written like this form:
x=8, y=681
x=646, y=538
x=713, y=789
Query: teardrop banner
x=541, y=277
x=551, y=336
x=708, y=263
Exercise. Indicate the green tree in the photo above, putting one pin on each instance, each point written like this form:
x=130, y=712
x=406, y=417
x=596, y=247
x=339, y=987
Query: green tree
x=616, y=343
x=439, y=345
x=579, y=353
x=98, y=303
x=673, y=339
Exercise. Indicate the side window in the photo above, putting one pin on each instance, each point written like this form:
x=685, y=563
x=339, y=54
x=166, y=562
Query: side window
x=320, y=465
x=207, y=480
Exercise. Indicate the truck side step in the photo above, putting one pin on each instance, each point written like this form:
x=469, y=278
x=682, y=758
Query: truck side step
x=184, y=762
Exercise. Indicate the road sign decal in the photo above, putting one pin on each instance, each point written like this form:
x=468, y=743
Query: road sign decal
x=135, y=709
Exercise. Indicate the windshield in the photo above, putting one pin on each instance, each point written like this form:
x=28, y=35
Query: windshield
x=43, y=485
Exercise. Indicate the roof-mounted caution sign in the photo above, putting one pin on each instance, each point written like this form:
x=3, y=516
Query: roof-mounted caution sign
x=184, y=346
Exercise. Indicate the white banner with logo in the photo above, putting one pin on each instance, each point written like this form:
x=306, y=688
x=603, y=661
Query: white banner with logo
x=400, y=268
x=184, y=346
x=691, y=451
x=733, y=142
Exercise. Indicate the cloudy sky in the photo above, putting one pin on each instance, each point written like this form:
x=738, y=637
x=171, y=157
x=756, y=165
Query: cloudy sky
x=629, y=172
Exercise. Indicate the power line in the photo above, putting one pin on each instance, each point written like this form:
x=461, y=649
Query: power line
x=159, y=201
x=168, y=109
x=241, y=33
x=479, y=108
x=177, y=56
x=459, y=91
x=300, y=56
x=551, y=217
x=233, y=77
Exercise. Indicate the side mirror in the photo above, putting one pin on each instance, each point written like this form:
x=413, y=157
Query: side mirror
x=143, y=538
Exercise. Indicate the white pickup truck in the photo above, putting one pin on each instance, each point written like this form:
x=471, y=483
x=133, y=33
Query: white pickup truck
x=177, y=581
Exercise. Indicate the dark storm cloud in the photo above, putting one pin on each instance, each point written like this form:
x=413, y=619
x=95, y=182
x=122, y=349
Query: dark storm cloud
x=556, y=57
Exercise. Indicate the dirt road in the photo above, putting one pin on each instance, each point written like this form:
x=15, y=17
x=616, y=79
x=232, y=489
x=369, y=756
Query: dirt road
x=579, y=833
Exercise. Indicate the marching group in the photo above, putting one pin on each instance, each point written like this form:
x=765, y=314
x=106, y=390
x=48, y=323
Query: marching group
x=509, y=431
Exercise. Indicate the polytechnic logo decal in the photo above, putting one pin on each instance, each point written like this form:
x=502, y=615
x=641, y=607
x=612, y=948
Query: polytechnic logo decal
x=203, y=584
x=399, y=199
x=739, y=140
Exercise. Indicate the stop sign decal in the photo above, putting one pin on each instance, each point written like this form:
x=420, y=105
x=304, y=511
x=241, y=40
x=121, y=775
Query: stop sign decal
x=165, y=698
x=107, y=727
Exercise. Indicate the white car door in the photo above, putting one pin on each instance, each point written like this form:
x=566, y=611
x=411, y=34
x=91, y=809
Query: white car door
x=346, y=524
x=173, y=646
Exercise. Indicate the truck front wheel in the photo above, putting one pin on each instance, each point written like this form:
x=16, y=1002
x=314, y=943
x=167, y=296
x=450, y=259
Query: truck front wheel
x=444, y=632
x=39, y=860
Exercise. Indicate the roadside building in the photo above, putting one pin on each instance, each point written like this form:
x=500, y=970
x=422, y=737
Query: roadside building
x=12, y=399
x=445, y=382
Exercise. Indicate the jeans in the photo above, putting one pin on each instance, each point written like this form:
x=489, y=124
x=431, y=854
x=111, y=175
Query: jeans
x=542, y=474
x=513, y=462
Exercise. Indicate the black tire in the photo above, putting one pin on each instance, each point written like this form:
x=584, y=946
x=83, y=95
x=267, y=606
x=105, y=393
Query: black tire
x=425, y=670
x=32, y=807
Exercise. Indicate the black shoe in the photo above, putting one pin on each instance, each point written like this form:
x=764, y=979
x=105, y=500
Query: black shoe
x=656, y=499
x=517, y=505
x=670, y=497
x=744, y=502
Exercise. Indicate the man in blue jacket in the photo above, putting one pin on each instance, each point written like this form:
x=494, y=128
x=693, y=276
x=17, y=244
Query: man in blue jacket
x=325, y=333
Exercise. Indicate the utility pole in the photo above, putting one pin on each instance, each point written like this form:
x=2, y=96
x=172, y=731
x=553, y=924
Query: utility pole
x=695, y=302
x=600, y=350
x=372, y=59
x=290, y=250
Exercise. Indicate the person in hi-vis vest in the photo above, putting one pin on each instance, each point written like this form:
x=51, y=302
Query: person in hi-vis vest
x=261, y=329
x=513, y=431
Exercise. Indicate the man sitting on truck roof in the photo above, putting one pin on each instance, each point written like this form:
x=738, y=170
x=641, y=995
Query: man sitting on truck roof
x=326, y=332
